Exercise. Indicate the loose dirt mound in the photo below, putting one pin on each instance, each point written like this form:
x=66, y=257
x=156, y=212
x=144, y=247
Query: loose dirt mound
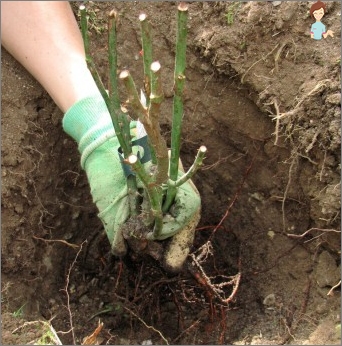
x=265, y=99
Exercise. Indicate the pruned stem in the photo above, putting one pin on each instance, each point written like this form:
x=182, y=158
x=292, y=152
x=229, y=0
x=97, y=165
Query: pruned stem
x=147, y=54
x=139, y=169
x=156, y=139
x=156, y=85
x=192, y=170
x=112, y=100
x=120, y=120
x=150, y=119
x=165, y=176
x=89, y=59
x=179, y=80
x=139, y=111
x=84, y=28
x=154, y=193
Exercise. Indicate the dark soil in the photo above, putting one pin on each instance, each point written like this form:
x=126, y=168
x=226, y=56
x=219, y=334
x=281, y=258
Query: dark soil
x=264, y=183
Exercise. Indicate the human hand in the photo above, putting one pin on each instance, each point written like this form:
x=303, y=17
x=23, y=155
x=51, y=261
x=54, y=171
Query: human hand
x=330, y=32
x=89, y=123
x=109, y=191
x=178, y=231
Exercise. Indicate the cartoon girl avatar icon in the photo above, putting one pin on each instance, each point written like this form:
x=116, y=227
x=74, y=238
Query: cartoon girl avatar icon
x=318, y=30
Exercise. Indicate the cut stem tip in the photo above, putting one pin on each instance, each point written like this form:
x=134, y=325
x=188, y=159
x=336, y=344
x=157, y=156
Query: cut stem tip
x=183, y=6
x=132, y=159
x=142, y=17
x=113, y=14
x=155, y=66
x=124, y=74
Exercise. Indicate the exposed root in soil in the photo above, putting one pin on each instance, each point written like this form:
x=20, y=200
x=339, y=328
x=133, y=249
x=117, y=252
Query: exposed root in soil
x=293, y=165
x=331, y=291
x=141, y=288
x=66, y=290
x=74, y=246
x=311, y=230
x=147, y=326
x=214, y=285
x=47, y=335
x=258, y=238
x=278, y=54
x=256, y=62
x=92, y=338
x=292, y=323
x=319, y=87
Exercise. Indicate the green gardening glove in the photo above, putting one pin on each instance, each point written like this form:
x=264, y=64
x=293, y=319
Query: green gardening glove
x=89, y=123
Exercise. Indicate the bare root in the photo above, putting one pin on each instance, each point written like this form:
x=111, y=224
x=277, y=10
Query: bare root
x=216, y=285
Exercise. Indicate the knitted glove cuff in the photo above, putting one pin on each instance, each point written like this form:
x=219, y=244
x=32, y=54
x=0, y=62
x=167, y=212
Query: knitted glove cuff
x=89, y=123
x=87, y=120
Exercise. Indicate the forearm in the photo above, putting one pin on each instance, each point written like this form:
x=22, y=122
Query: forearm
x=44, y=37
